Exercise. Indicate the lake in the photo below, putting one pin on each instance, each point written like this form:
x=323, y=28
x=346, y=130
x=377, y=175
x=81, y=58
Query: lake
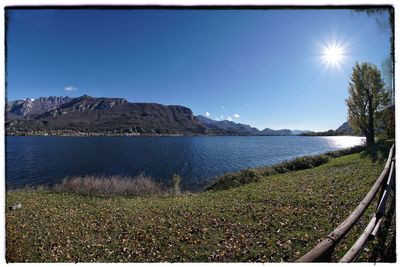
x=43, y=160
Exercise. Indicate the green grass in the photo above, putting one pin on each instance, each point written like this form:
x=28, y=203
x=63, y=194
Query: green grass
x=277, y=218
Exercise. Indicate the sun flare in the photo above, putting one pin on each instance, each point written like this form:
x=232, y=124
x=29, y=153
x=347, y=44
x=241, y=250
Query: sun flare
x=333, y=55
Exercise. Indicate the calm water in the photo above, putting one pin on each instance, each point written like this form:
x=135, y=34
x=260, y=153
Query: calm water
x=47, y=160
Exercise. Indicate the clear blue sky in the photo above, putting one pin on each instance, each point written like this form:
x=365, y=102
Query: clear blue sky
x=265, y=66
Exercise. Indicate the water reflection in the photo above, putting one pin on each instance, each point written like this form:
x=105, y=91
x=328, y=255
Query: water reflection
x=340, y=142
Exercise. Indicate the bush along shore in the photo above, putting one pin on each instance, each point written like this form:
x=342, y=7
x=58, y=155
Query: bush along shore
x=270, y=214
x=231, y=180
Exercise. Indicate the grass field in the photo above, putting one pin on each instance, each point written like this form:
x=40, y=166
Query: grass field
x=278, y=218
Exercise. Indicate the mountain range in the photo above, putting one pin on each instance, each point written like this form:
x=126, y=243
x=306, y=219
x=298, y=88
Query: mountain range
x=86, y=115
x=344, y=129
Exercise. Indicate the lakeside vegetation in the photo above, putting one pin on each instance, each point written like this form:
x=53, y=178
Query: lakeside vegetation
x=277, y=217
x=140, y=185
x=231, y=180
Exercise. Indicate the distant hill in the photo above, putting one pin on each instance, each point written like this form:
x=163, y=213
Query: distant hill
x=233, y=128
x=298, y=132
x=268, y=131
x=343, y=129
x=226, y=127
x=86, y=115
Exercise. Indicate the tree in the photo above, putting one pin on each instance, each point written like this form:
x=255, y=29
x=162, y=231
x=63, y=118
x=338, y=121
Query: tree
x=386, y=121
x=366, y=97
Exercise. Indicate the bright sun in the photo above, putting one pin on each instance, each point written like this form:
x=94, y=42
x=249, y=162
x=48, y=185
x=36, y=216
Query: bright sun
x=333, y=55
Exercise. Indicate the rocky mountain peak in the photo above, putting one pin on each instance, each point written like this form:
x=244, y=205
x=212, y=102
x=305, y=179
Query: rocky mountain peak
x=32, y=107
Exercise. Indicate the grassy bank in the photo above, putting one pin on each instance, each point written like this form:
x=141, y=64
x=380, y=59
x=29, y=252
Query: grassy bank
x=231, y=180
x=277, y=218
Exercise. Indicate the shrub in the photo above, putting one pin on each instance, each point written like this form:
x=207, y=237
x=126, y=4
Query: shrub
x=301, y=163
x=140, y=185
x=345, y=151
x=231, y=180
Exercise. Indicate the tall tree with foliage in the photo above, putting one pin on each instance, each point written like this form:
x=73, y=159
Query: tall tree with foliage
x=366, y=97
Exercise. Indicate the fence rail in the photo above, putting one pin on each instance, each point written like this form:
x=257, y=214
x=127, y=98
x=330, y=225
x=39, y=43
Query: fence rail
x=322, y=251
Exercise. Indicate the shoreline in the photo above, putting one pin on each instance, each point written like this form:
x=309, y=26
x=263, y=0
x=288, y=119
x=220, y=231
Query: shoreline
x=301, y=162
x=164, y=135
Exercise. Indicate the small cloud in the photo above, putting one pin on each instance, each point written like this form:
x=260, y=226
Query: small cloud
x=236, y=115
x=217, y=119
x=70, y=88
x=221, y=117
x=222, y=107
x=208, y=114
x=229, y=118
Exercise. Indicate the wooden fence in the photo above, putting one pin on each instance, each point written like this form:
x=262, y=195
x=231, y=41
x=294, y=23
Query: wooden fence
x=322, y=251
